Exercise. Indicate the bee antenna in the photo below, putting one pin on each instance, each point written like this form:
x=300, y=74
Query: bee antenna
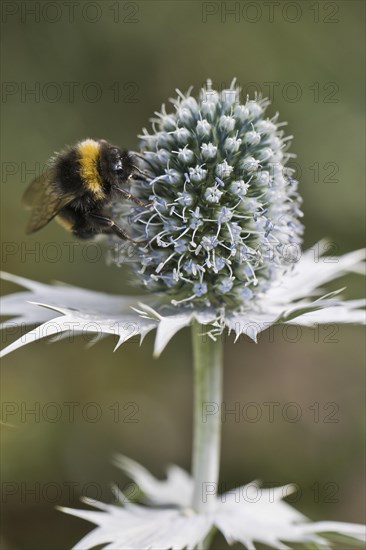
x=143, y=158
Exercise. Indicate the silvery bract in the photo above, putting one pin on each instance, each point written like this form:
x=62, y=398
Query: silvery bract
x=220, y=245
x=247, y=514
x=296, y=299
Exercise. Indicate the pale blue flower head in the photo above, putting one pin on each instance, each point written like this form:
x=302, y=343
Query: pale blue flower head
x=218, y=165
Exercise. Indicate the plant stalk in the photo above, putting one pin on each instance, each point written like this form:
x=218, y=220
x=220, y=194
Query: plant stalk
x=208, y=367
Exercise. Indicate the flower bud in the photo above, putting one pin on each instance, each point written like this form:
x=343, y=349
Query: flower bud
x=222, y=206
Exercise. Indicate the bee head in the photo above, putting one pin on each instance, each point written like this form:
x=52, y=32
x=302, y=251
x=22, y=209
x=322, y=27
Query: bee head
x=116, y=166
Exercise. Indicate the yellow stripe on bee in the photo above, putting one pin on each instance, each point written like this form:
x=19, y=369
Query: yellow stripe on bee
x=89, y=153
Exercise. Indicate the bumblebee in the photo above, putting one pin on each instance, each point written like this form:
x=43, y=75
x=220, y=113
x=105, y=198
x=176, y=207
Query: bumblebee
x=79, y=187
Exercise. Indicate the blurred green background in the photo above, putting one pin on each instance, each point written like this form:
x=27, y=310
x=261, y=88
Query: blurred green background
x=100, y=69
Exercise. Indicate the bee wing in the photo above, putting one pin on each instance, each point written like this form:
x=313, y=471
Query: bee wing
x=44, y=202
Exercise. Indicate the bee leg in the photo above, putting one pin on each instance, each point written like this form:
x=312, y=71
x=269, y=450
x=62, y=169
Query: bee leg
x=110, y=225
x=129, y=196
x=142, y=172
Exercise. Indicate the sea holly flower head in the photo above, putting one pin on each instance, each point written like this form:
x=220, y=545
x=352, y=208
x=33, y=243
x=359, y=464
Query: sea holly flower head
x=210, y=162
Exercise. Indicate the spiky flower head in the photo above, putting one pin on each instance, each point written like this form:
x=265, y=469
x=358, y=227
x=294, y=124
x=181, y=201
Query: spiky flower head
x=224, y=221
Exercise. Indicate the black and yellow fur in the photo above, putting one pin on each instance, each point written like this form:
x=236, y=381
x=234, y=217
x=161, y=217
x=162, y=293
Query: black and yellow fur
x=79, y=187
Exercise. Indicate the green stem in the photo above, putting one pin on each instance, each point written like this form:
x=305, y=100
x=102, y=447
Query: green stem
x=208, y=362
